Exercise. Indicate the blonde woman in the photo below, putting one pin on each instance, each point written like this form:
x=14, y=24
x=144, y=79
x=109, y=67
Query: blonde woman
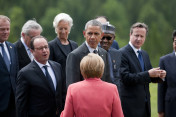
x=92, y=97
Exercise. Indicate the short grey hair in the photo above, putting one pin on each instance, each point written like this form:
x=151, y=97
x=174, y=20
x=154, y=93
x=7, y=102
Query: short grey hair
x=4, y=17
x=93, y=23
x=62, y=17
x=30, y=25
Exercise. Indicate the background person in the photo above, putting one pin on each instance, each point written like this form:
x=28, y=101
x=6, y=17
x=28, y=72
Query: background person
x=113, y=54
x=8, y=70
x=29, y=30
x=166, y=90
x=40, y=86
x=93, y=34
x=92, y=97
x=104, y=20
x=136, y=74
x=61, y=46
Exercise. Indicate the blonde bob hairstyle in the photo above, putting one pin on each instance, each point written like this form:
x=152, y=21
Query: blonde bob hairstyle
x=92, y=66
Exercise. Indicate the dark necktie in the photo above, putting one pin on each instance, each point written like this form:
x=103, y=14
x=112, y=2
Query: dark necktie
x=49, y=77
x=110, y=67
x=6, y=60
x=141, y=59
x=95, y=51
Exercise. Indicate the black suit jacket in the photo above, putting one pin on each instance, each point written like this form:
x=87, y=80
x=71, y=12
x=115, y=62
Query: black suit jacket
x=116, y=61
x=134, y=87
x=73, y=73
x=167, y=89
x=8, y=79
x=23, y=57
x=34, y=96
x=58, y=53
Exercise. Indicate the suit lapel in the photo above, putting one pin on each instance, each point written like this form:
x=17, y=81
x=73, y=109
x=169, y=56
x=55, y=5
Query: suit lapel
x=22, y=50
x=133, y=56
x=38, y=71
x=55, y=72
x=61, y=47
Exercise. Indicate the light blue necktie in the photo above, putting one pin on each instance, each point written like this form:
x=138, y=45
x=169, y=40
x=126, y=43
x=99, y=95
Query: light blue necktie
x=141, y=59
x=4, y=54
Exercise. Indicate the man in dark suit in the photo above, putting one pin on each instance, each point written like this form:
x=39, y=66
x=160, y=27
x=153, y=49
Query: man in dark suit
x=136, y=74
x=29, y=30
x=113, y=54
x=40, y=88
x=8, y=70
x=167, y=89
x=104, y=20
x=93, y=33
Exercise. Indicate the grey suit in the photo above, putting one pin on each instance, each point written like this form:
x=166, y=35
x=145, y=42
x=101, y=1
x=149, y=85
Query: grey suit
x=34, y=96
x=116, y=61
x=167, y=89
x=8, y=79
x=73, y=64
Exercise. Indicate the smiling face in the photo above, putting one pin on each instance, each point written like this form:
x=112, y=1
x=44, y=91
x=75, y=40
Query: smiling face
x=63, y=29
x=93, y=35
x=106, y=41
x=137, y=37
x=41, y=50
x=4, y=30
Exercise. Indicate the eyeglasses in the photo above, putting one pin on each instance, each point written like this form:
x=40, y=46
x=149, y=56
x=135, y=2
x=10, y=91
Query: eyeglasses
x=30, y=36
x=107, y=37
x=41, y=48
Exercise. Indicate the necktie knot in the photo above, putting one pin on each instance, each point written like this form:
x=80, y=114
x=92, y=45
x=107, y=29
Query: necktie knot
x=95, y=51
x=1, y=45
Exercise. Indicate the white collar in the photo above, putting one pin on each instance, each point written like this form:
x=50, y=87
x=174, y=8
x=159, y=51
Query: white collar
x=91, y=49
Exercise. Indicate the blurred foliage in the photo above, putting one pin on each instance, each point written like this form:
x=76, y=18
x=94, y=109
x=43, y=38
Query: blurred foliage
x=158, y=15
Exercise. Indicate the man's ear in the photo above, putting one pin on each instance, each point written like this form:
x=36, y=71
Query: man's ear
x=102, y=34
x=22, y=34
x=84, y=33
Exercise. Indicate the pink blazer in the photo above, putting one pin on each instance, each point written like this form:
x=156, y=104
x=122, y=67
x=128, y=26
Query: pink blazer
x=92, y=98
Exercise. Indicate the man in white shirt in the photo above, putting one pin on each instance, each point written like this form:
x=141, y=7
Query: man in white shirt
x=40, y=88
x=29, y=30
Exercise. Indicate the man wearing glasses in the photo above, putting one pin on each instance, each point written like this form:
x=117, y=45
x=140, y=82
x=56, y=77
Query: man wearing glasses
x=114, y=56
x=40, y=87
x=29, y=30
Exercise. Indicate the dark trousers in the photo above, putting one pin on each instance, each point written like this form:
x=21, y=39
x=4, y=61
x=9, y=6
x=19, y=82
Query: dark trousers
x=10, y=111
x=147, y=111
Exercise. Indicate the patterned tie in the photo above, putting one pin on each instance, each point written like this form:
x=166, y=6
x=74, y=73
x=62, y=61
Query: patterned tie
x=141, y=59
x=6, y=60
x=95, y=51
x=49, y=77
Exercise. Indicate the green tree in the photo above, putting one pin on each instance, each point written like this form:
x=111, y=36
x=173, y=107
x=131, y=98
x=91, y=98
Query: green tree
x=117, y=15
x=159, y=33
x=16, y=16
